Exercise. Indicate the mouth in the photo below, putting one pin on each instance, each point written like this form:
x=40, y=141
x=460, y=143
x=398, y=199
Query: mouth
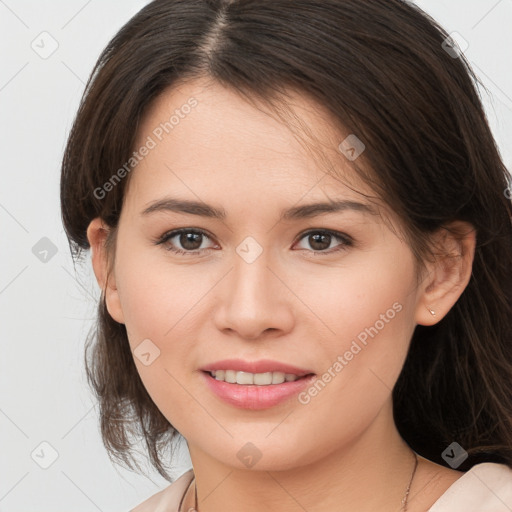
x=257, y=391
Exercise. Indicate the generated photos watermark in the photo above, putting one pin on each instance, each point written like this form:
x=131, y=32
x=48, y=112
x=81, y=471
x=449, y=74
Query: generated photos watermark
x=158, y=133
x=343, y=360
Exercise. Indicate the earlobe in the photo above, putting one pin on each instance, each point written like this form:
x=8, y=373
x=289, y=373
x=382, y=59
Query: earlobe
x=449, y=275
x=97, y=232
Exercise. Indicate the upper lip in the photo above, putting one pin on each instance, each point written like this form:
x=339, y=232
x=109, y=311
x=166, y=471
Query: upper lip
x=261, y=366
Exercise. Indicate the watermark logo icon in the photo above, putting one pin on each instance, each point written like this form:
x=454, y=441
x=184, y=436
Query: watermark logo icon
x=44, y=250
x=455, y=45
x=146, y=352
x=454, y=455
x=249, y=250
x=249, y=454
x=45, y=45
x=44, y=455
x=352, y=147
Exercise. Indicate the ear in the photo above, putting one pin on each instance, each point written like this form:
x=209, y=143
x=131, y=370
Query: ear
x=97, y=232
x=449, y=275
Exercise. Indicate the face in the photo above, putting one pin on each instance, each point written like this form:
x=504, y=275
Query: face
x=328, y=292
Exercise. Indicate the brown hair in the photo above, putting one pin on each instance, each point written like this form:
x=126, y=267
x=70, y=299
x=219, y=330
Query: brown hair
x=380, y=68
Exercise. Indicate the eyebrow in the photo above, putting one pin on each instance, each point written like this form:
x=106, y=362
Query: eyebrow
x=297, y=212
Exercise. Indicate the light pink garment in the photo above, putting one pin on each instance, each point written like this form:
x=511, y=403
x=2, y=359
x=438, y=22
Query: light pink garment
x=486, y=487
x=169, y=499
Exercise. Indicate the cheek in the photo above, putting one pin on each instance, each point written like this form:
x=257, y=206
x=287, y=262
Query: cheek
x=358, y=377
x=366, y=300
x=156, y=320
x=154, y=293
x=156, y=307
x=370, y=314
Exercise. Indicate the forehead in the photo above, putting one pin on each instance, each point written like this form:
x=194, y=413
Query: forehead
x=206, y=139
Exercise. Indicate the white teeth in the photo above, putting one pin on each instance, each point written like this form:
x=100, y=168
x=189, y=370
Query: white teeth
x=230, y=376
x=258, y=379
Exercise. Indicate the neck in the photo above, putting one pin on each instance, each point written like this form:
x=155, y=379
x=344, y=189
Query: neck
x=366, y=474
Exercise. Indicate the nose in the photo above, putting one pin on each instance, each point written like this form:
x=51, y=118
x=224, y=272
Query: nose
x=255, y=300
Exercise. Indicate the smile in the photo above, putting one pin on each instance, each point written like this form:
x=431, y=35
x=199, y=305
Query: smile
x=244, y=393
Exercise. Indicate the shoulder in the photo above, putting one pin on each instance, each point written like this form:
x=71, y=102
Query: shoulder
x=486, y=487
x=169, y=498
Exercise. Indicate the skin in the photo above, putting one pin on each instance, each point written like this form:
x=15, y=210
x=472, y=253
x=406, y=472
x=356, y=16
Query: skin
x=290, y=305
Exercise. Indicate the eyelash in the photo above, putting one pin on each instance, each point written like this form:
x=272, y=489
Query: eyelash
x=347, y=240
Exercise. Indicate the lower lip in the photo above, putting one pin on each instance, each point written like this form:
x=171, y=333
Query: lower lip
x=256, y=397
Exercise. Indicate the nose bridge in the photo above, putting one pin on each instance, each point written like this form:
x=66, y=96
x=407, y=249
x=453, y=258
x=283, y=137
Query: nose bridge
x=251, y=276
x=251, y=300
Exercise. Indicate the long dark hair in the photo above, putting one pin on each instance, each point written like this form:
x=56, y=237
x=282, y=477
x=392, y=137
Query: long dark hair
x=382, y=70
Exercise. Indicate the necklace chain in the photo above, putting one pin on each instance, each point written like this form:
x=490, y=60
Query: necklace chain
x=404, y=499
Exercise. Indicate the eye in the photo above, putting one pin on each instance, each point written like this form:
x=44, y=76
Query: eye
x=320, y=240
x=192, y=239
x=189, y=239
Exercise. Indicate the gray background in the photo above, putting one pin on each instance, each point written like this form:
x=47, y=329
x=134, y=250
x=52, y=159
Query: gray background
x=47, y=308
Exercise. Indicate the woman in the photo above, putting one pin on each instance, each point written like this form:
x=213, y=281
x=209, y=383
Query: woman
x=298, y=218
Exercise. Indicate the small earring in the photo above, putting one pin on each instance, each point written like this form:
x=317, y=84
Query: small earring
x=432, y=312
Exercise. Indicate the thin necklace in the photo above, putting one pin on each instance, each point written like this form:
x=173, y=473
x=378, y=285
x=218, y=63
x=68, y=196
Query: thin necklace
x=404, y=499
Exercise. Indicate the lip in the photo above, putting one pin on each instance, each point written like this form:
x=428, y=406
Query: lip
x=261, y=366
x=256, y=397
